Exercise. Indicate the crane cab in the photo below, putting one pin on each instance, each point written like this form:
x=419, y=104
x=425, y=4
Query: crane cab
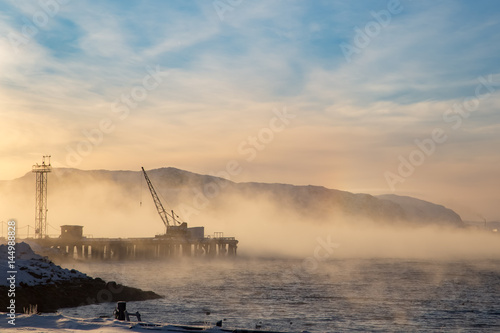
x=177, y=231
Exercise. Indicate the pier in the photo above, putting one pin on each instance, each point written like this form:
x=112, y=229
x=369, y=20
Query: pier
x=73, y=244
x=177, y=241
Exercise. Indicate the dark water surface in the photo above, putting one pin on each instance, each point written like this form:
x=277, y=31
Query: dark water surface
x=337, y=295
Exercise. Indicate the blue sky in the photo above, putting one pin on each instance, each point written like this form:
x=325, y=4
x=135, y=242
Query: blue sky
x=226, y=65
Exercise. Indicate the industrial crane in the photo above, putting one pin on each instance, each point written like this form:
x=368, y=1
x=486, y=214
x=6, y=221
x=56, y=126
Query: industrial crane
x=175, y=230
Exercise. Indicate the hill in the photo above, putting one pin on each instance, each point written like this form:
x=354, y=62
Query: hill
x=118, y=199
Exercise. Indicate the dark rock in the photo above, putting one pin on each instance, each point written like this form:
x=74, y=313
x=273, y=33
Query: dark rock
x=51, y=297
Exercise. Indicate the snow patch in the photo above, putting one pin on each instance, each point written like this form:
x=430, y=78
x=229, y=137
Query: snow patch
x=33, y=269
x=59, y=323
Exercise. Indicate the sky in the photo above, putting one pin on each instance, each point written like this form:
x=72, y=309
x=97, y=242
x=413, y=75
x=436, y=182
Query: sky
x=365, y=96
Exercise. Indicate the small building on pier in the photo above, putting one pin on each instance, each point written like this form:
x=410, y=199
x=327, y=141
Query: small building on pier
x=71, y=232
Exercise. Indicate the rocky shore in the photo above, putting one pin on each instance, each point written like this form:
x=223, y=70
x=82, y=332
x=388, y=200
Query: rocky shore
x=40, y=283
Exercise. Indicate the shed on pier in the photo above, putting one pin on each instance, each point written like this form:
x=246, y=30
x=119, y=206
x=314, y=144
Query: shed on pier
x=71, y=232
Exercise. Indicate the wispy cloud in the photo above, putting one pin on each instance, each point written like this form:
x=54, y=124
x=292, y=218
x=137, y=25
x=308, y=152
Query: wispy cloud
x=225, y=77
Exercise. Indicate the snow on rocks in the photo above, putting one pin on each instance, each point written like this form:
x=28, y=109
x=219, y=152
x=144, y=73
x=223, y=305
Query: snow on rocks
x=33, y=269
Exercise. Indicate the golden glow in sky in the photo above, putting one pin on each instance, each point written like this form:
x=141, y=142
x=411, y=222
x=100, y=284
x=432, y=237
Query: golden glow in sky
x=376, y=97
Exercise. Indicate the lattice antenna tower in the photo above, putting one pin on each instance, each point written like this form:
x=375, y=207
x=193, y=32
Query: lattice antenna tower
x=41, y=196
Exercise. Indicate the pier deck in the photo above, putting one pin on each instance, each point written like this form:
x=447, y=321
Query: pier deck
x=140, y=248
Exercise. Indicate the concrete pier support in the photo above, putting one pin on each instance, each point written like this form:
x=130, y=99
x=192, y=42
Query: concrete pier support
x=186, y=250
x=231, y=250
x=79, y=251
x=99, y=252
x=212, y=249
x=222, y=250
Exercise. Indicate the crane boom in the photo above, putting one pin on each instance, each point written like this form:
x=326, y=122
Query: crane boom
x=159, y=207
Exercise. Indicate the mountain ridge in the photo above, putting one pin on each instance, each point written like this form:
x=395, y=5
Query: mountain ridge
x=306, y=201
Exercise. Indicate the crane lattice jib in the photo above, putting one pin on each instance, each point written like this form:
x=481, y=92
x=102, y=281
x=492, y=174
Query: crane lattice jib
x=159, y=206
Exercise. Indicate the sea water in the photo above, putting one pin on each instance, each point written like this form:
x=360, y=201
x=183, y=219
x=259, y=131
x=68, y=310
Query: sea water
x=297, y=295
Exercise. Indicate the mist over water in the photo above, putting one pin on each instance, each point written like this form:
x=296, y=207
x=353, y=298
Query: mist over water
x=341, y=274
x=266, y=231
x=335, y=295
x=289, y=225
x=334, y=274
